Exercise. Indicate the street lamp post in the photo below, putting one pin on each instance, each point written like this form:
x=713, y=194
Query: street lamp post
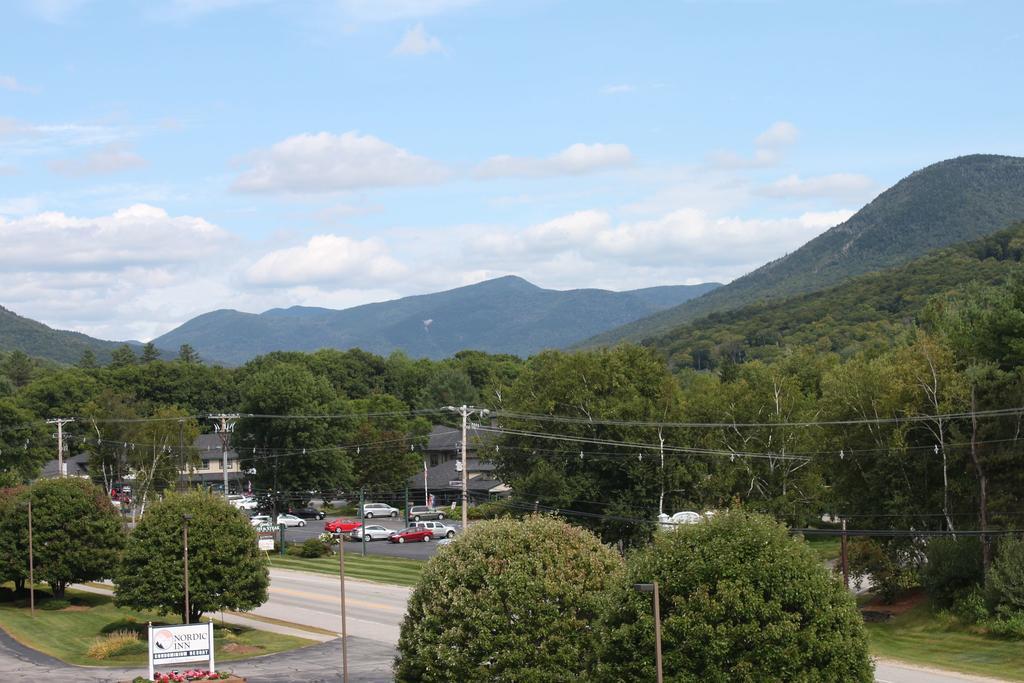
x=653, y=588
x=188, y=608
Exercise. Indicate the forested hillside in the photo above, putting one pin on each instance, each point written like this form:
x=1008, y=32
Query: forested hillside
x=870, y=311
x=943, y=204
x=38, y=340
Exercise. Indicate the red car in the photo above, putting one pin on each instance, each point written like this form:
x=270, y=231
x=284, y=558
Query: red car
x=409, y=535
x=341, y=526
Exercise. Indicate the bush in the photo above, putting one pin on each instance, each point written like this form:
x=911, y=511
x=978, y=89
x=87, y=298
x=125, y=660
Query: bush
x=1011, y=628
x=489, y=510
x=127, y=624
x=890, y=566
x=1005, y=586
x=952, y=569
x=311, y=547
x=115, y=644
x=740, y=600
x=971, y=607
x=55, y=604
x=511, y=600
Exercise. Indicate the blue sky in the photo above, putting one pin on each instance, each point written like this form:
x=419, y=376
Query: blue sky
x=162, y=158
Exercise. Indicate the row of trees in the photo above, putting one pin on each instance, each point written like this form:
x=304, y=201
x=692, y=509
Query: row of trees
x=537, y=599
x=77, y=537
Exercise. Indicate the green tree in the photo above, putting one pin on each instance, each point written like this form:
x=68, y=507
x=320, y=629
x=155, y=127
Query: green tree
x=77, y=534
x=150, y=353
x=18, y=367
x=509, y=600
x=25, y=445
x=741, y=600
x=1005, y=581
x=88, y=361
x=186, y=354
x=123, y=356
x=226, y=569
x=13, y=559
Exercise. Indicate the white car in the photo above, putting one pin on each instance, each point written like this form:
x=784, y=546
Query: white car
x=373, y=533
x=259, y=520
x=246, y=504
x=371, y=510
x=437, y=529
x=290, y=520
x=685, y=517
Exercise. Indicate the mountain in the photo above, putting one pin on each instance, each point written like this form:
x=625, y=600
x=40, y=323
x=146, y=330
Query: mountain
x=870, y=309
x=504, y=315
x=946, y=203
x=36, y=339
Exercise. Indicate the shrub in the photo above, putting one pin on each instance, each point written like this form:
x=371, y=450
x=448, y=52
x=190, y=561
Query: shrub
x=54, y=604
x=489, y=510
x=115, y=644
x=127, y=624
x=1011, y=627
x=311, y=547
x=1005, y=584
x=740, y=600
x=511, y=600
x=890, y=566
x=953, y=567
x=971, y=607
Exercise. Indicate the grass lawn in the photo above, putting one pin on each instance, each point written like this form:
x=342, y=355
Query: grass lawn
x=827, y=547
x=394, y=570
x=919, y=636
x=66, y=634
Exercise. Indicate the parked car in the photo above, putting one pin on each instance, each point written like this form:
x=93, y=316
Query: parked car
x=446, y=541
x=373, y=532
x=437, y=530
x=685, y=517
x=290, y=520
x=308, y=513
x=418, y=512
x=371, y=510
x=410, y=535
x=342, y=526
x=258, y=520
x=247, y=503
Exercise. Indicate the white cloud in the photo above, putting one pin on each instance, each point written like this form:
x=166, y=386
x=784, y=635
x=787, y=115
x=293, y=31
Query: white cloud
x=417, y=41
x=11, y=83
x=134, y=236
x=618, y=89
x=576, y=159
x=768, y=151
x=390, y=10
x=324, y=162
x=841, y=185
x=333, y=259
x=54, y=10
x=111, y=158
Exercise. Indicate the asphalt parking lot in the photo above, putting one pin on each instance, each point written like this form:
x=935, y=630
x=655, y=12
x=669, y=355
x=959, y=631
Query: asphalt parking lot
x=415, y=551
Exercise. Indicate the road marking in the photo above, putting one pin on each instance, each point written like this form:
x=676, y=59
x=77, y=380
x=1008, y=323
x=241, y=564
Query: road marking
x=320, y=597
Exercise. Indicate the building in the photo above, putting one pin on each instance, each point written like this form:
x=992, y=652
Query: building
x=210, y=471
x=442, y=461
x=74, y=466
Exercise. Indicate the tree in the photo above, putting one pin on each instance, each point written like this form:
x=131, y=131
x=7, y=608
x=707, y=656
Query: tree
x=123, y=356
x=509, y=600
x=77, y=534
x=226, y=569
x=18, y=367
x=13, y=560
x=88, y=361
x=740, y=600
x=25, y=445
x=150, y=353
x=186, y=354
x=1005, y=582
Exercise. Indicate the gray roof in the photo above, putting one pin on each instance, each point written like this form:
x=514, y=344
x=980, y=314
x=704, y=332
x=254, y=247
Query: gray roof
x=209, y=446
x=77, y=466
x=444, y=438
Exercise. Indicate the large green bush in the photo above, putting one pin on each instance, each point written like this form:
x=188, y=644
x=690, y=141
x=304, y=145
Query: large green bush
x=740, y=601
x=952, y=569
x=226, y=569
x=1005, y=585
x=508, y=600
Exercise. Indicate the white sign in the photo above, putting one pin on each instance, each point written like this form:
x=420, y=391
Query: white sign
x=185, y=643
x=266, y=544
x=455, y=483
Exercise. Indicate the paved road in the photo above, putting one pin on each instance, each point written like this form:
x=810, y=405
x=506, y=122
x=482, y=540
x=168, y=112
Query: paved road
x=894, y=672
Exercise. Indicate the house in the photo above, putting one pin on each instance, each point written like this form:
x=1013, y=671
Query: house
x=74, y=466
x=442, y=461
x=210, y=471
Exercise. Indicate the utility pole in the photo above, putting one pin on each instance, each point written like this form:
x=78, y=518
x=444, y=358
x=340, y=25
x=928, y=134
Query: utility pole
x=362, y=522
x=465, y=411
x=181, y=454
x=661, y=498
x=188, y=607
x=224, y=424
x=60, y=422
x=846, y=568
x=31, y=568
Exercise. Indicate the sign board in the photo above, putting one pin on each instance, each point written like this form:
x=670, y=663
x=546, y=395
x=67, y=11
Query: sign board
x=455, y=483
x=265, y=544
x=266, y=536
x=184, y=643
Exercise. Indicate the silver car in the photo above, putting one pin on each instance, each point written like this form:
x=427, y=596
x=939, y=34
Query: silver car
x=371, y=510
x=437, y=530
x=420, y=512
x=373, y=532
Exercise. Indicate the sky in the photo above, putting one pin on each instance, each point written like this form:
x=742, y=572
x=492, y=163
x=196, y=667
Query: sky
x=163, y=158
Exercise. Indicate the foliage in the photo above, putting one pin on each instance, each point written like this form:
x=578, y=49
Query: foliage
x=226, y=569
x=509, y=599
x=952, y=569
x=891, y=567
x=1009, y=626
x=740, y=600
x=116, y=643
x=311, y=547
x=1005, y=580
x=77, y=534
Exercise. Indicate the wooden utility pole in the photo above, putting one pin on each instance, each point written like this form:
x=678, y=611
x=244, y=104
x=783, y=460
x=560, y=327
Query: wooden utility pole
x=60, y=422
x=846, y=568
x=224, y=424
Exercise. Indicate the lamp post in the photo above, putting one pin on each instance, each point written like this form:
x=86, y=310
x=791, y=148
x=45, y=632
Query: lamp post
x=188, y=608
x=653, y=588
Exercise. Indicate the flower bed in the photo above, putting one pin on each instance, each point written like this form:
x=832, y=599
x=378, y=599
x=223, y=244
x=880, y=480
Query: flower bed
x=190, y=675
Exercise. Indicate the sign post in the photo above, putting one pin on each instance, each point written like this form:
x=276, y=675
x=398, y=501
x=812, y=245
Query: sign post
x=185, y=643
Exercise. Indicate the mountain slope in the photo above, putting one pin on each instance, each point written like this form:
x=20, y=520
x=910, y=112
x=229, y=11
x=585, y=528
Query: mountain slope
x=869, y=309
x=946, y=203
x=36, y=339
x=505, y=315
